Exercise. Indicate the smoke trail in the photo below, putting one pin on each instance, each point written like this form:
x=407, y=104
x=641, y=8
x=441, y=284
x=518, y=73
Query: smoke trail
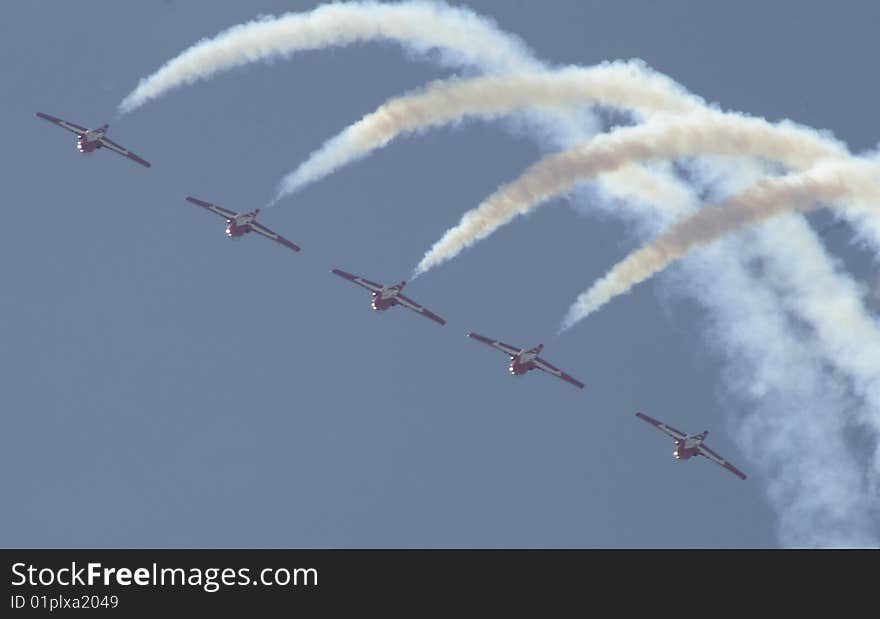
x=662, y=137
x=785, y=427
x=461, y=37
x=780, y=372
x=852, y=181
x=626, y=84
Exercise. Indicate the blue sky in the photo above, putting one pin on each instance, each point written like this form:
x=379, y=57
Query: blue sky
x=165, y=386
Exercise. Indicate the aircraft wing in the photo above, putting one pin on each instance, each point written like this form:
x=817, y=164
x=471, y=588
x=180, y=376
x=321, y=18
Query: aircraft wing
x=62, y=123
x=269, y=234
x=213, y=208
x=407, y=302
x=513, y=351
x=360, y=281
x=714, y=457
x=676, y=434
x=123, y=151
x=552, y=369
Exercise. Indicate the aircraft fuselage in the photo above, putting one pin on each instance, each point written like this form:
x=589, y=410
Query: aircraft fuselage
x=689, y=446
x=90, y=141
x=239, y=226
x=524, y=361
x=385, y=298
x=518, y=368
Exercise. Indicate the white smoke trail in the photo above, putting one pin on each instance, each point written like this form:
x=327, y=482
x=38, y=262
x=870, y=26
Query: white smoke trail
x=780, y=372
x=661, y=137
x=795, y=435
x=802, y=498
x=853, y=181
x=461, y=37
x=622, y=84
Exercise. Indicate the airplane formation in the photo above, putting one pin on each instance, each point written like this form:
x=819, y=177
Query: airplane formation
x=384, y=297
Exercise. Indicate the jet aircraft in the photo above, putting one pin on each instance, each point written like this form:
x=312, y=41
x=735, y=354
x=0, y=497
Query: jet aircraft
x=238, y=224
x=689, y=445
x=522, y=360
x=90, y=140
x=388, y=296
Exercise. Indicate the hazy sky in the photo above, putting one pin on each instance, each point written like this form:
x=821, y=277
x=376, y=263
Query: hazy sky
x=165, y=386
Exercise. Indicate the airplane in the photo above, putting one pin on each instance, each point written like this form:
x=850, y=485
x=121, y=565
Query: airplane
x=238, y=224
x=90, y=140
x=687, y=445
x=388, y=296
x=522, y=360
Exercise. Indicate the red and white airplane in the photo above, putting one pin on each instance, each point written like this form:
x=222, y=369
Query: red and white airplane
x=90, y=140
x=388, y=296
x=238, y=224
x=687, y=445
x=522, y=360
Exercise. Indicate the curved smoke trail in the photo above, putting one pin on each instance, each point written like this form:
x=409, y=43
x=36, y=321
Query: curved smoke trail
x=707, y=132
x=813, y=510
x=852, y=182
x=462, y=37
x=624, y=84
